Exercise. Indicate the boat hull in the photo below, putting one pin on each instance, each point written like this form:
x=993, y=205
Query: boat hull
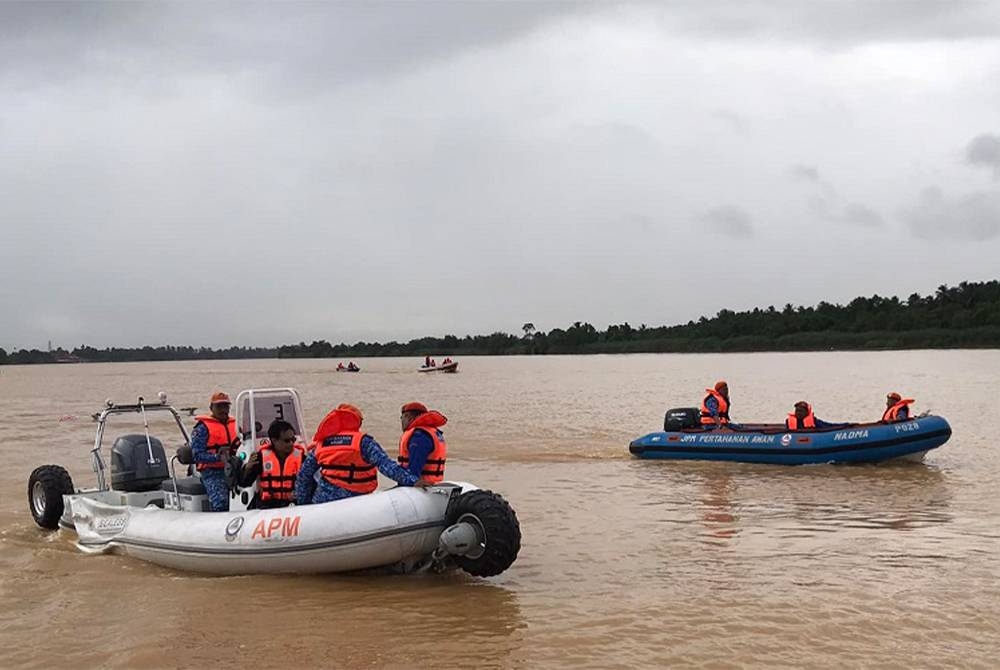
x=862, y=443
x=396, y=527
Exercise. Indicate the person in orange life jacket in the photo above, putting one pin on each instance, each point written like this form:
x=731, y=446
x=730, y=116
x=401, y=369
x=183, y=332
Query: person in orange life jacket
x=274, y=467
x=212, y=438
x=715, y=407
x=342, y=462
x=340, y=365
x=897, y=408
x=422, y=449
x=803, y=418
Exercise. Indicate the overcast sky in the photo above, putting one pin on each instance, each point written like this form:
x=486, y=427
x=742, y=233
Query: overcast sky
x=217, y=174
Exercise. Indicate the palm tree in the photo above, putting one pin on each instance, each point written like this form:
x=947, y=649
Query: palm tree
x=528, y=329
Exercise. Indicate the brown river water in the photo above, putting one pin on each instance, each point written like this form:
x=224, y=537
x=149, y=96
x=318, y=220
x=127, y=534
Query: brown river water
x=624, y=563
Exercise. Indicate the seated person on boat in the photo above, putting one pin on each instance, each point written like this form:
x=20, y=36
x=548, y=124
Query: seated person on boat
x=804, y=419
x=274, y=466
x=422, y=448
x=897, y=408
x=715, y=406
x=344, y=460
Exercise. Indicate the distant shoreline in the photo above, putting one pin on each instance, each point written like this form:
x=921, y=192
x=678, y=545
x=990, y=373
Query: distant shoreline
x=963, y=317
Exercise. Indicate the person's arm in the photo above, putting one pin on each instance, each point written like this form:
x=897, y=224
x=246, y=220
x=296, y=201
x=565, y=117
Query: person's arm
x=199, y=446
x=373, y=453
x=421, y=445
x=251, y=470
x=305, y=482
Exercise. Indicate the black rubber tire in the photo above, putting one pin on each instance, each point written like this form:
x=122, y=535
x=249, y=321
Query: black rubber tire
x=503, y=532
x=53, y=482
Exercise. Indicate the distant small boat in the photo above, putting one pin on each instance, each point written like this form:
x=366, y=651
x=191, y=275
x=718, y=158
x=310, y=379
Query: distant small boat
x=348, y=369
x=446, y=367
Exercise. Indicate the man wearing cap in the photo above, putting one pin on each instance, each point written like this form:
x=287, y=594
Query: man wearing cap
x=211, y=440
x=803, y=418
x=897, y=408
x=422, y=449
x=344, y=462
x=715, y=406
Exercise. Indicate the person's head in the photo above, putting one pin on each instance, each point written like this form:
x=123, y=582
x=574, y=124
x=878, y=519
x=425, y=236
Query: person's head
x=892, y=399
x=722, y=388
x=409, y=412
x=282, y=436
x=802, y=409
x=219, y=406
x=351, y=409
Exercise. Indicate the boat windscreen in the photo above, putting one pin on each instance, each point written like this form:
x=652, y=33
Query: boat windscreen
x=268, y=408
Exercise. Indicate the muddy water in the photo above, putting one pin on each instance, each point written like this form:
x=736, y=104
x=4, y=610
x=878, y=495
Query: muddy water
x=625, y=563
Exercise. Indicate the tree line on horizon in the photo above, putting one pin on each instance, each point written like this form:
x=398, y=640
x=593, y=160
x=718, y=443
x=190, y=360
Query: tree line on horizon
x=964, y=316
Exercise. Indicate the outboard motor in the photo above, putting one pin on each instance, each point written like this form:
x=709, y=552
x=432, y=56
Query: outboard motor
x=132, y=469
x=681, y=418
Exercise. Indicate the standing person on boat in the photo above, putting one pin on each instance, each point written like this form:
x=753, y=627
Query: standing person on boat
x=344, y=460
x=274, y=467
x=897, y=408
x=802, y=418
x=422, y=449
x=715, y=406
x=213, y=437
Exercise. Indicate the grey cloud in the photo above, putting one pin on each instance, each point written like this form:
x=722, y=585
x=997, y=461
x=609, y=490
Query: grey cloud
x=804, y=172
x=974, y=216
x=854, y=213
x=838, y=24
x=285, y=41
x=861, y=215
x=984, y=151
x=729, y=221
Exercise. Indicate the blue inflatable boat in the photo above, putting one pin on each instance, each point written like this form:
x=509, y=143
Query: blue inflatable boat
x=764, y=443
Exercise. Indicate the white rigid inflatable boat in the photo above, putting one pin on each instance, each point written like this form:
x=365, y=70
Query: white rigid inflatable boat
x=403, y=529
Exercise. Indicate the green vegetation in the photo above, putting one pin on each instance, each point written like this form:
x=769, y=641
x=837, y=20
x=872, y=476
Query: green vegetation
x=965, y=316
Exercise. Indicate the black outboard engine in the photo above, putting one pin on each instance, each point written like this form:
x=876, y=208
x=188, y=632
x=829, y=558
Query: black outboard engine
x=681, y=418
x=131, y=469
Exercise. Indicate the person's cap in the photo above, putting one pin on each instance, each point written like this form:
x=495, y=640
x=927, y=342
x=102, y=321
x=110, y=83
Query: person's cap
x=345, y=407
x=220, y=397
x=802, y=403
x=413, y=407
x=894, y=396
x=721, y=384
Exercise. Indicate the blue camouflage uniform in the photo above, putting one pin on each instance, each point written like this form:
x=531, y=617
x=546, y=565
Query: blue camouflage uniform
x=311, y=487
x=214, y=479
x=712, y=405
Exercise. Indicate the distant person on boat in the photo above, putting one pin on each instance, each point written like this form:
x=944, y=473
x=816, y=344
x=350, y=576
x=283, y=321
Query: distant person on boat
x=344, y=462
x=427, y=362
x=274, y=467
x=213, y=438
x=715, y=406
x=802, y=418
x=422, y=448
x=352, y=367
x=340, y=366
x=446, y=361
x=897, y=408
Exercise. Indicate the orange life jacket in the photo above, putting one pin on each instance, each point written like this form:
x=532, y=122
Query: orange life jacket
x=793, y=422
x=706, y=416
x=219, y=435
x=892, y=413
x=277, y=482
x=429, y=422
x=340, y=461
